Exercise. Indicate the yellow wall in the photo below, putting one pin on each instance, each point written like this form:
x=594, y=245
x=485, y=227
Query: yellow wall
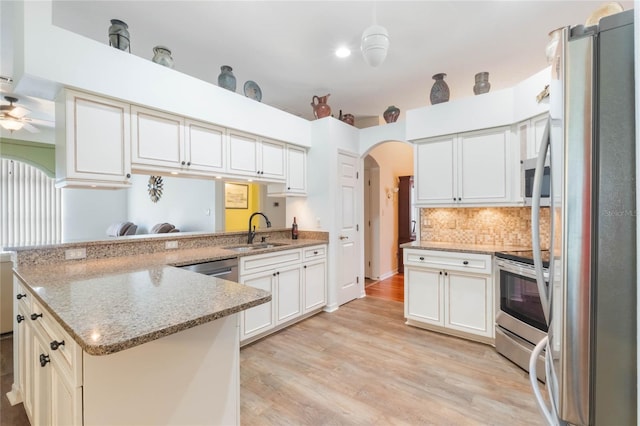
x=238, y=219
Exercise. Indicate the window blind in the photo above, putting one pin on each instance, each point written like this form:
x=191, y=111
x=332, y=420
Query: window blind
x=31, y=206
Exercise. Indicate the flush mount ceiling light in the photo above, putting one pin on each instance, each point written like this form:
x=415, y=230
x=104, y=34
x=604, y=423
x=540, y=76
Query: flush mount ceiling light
x=343, y=52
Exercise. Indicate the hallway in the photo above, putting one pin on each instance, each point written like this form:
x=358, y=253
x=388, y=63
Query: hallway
x=391, y=288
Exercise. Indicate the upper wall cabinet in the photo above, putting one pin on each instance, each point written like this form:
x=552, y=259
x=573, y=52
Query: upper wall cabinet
x=251, y=156
x=157, y=139
x=93, y=142
x=296, y=175
x=530, y=134
x=204, y=148
x=474, y=168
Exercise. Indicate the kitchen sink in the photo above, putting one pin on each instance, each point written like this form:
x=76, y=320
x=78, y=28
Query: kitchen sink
x=250, y=247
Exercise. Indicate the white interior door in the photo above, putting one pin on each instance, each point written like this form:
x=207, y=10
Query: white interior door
x=348, y=259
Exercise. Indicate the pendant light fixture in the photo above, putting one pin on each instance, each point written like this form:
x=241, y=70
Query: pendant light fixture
x=375, y=43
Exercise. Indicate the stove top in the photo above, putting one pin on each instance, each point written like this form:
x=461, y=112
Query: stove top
x=525, y=256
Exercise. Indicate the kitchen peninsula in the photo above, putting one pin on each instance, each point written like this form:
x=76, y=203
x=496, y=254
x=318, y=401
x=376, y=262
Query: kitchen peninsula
x=130, y=339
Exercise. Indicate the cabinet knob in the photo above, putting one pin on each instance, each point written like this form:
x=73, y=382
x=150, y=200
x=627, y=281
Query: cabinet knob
x=446, y=274
x=20, y=296
x=459, y=199
x=277, y=273
x=274, y=274
x=35, y=316
x=55, y=345
x=440, y=272
x=288, y=188
x=466, y=262
x=305, y=266
x=454, y=198
x=19, y=318
x=128, y=175
x=421, y=258
x=188, y=163
x=183, y=163
x=44, y=359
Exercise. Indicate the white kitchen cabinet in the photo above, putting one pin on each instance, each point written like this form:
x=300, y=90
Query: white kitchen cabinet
x=204, y=148
x=255, y=157
x=296, y=175
x=529, y=133
x=449, y=292
x=297, y=280
x=157, y=140
x=49, y=365
x=288, y=284
x=474, y=168
x=314, y=278
x=93, y=142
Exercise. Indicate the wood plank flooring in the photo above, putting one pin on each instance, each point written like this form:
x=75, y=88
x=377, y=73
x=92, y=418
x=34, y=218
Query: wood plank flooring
x=361, y=365
x=391, y=288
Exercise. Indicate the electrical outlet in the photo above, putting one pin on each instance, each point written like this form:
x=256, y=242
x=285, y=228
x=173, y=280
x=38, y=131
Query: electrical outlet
x=171, y=245
x=72, y=254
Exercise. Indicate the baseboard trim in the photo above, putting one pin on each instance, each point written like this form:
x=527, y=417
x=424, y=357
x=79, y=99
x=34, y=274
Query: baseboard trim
x=14, y=396
x=388, y=275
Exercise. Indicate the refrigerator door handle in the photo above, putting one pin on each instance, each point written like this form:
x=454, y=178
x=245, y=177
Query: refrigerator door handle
x=550, y=415
x=535, y=221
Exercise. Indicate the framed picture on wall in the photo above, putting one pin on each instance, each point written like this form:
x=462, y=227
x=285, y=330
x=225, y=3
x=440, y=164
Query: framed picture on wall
x=236, y=196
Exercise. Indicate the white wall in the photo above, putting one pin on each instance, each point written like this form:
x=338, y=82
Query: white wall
x=188, y=204
x=394, y=159
x=87, y=213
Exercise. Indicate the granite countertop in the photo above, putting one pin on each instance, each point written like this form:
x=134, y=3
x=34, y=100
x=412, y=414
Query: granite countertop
x=108, y=305
x=461, y=247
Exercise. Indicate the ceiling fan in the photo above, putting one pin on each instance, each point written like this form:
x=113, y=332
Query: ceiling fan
x=13, y=117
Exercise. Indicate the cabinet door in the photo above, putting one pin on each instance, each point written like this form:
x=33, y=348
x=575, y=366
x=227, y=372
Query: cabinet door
x=259, y=318
x=25, y=353
x=296, y=170
x=423, y=299
x=157, y=138
x=288, y=294
x=435, y=172
x=41, y=381
x=97, y=146
x=243, y=154
x=272, y=156
x=315, y=285
x=469, y=301
x=66, y=400
x=204, y=147
x=537, y=130
x=484, y=166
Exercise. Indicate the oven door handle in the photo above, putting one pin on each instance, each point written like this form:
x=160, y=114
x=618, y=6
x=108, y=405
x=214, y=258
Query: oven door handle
x=535, y=221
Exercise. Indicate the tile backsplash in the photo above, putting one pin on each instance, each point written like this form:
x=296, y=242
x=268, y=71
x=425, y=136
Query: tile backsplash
x=487, y=225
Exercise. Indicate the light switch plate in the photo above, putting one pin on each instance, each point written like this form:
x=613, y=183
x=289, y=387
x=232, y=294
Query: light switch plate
x=72, y=254
x=170, y=245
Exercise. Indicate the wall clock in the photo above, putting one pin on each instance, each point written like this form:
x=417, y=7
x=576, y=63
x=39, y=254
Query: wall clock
x=155, y=188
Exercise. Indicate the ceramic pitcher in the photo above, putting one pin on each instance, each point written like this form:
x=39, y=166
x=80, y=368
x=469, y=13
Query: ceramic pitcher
x=320, y=106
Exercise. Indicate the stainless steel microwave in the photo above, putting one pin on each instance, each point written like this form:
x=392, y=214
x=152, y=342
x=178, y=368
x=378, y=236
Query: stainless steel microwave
x=528, y=173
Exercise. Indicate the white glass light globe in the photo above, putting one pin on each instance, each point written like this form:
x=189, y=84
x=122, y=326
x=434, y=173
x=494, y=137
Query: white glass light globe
x=374, y=45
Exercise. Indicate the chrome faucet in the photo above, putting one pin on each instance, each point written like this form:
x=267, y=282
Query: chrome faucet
x=252, y=233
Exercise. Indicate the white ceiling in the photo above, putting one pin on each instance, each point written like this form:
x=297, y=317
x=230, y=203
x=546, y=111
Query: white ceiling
x=287, y=46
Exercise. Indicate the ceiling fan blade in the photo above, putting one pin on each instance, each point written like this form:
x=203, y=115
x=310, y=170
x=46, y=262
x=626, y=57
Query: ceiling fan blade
x=30, y=128
x=18, y=112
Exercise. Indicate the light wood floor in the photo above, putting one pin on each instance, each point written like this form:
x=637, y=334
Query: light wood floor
x=361, y=365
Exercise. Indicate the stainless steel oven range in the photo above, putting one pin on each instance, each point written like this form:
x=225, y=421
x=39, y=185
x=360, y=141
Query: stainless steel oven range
x=520, y=322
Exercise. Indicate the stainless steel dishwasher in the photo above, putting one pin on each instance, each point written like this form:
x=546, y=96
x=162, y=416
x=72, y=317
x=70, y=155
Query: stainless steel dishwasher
x=227, y=269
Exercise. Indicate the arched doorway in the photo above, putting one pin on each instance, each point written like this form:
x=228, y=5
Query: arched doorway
x=383, y=165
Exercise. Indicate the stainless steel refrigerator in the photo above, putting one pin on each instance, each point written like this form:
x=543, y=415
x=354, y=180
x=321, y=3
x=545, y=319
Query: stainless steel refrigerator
x=590, y=299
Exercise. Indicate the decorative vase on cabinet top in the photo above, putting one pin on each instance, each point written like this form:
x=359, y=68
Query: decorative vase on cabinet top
x=119, y=35
x=320, y=107
x=226, y=79
x=391, y=114
x=347, y=118
x=162, y=56
x=482, y=83
x=440, y=89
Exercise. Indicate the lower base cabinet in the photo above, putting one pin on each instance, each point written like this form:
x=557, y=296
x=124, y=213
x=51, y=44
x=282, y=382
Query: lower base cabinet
x=449, y=292
x=297, y=280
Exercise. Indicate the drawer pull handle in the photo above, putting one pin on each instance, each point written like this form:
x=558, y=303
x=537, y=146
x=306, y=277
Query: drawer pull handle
x=466, y=262
x=44, y=359
x=55, y=345
x=19, y=318
x=35, y=316
x=421, y=258
x=315, y=252
x=20, y=296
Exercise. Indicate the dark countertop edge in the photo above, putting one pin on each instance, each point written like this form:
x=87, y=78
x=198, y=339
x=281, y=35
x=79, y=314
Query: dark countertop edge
x=100, y=350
